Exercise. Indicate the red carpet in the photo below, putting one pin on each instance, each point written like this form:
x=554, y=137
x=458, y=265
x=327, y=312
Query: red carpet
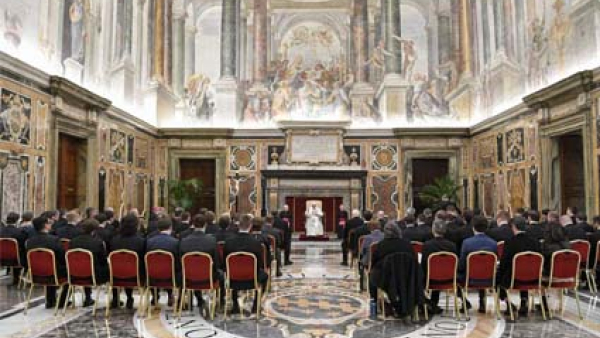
x=322, y=238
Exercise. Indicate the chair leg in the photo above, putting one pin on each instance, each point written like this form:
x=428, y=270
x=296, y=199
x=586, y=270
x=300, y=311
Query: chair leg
x=426, y=312
x=496, y=303
x=97, y=300
x=227, y=291
x=464, y=303
x=213, y=304
x=108, y=300
x=456, y=312
x=28, y=299
x=258, y=303
x=578, y=306
x=593, y=278
x=510, y=308
x=542, y=304
x=153, y=292
x=69, y=295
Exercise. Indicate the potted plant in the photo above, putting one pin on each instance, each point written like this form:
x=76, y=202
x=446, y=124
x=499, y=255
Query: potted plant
x=444, y=190
x=183, y=193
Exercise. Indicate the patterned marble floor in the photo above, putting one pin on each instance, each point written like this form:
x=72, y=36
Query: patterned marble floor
x=315, y=298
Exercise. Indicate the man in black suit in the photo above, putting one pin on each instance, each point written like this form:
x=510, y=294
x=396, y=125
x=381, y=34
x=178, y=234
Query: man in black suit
x=438, y=244
x=96, y=246
x=111, y=219
x=61, y=222
x=269, y=230
x=128, y=238
x=70, y=230
x=573, y=231
x=244, y=241
x=342, y=219
x=164, y=240
x=287, y=218
x=423, y=233
x=354, y=223
x=223, y=233
x=26, y=224
x=534, y=228
x=12, y=231
x=105, y=230
x=410, y=232
x=502, y=232
x=360, y=231
x=199, y=241
x=581, y=220
x=176, y=219
x=211, y=226
x=43, y=240
x=520, y=242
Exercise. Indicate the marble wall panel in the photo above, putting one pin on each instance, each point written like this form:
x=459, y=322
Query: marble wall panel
x=517, y=189
x=384, y=195
x=13, y=187
x=39, y=182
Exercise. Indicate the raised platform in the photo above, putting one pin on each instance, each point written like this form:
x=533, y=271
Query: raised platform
x=305, y=238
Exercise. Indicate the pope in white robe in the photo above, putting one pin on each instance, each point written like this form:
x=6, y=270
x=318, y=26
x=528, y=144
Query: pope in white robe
x=314, y=226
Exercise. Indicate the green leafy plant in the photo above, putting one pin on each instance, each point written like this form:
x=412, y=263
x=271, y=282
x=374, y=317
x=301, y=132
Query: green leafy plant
x=443, y=189
x=183, y=193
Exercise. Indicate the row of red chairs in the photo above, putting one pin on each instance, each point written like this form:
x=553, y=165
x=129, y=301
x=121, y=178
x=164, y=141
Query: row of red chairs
x=197, y=273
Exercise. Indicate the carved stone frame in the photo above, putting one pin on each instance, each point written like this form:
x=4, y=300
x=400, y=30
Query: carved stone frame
x=290, y=133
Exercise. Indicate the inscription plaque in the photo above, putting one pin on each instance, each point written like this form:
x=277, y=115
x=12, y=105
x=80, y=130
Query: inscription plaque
x=315, y=148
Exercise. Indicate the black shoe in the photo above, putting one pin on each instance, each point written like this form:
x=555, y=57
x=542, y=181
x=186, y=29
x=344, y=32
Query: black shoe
x=50, y=305
x=61, y=305
x=116, y=305
x=523, y=309
x=344, y=263
x=88, y=303
x=288, y=263
x=481, y=308
x=507, y=311
x=129, y=304
x=435, y=310
x=235, y=310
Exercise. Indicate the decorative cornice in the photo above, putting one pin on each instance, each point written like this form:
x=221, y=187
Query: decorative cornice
x=124, y=117
x=22, y=72
x=431, y=132
x=561, y=91
x=72, y=92
x=511, y=114
x=314, y=174
x=197, y=133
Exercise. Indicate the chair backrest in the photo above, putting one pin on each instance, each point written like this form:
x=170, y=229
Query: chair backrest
x=42, y=266
x=124, y=268
x=241, y=267
x=527, y=270
x=583, y=247
x=597, y=258
x=80, y=267
x=361, y=240
x=9, y=252
x=481, y=269
x=441, y=270
x=66, y=243
x=372, y=249
x=417, y=246
x=160, y=269
x=197, y=270
x=500, y=249
x=564, y=269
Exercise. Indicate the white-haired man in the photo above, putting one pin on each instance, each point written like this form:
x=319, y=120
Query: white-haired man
x=353, y=223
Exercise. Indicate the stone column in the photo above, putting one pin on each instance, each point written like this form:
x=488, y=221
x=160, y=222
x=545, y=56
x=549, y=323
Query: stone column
x=228, y=105
x=499, y=22
x=228, y=39
x=362, y=91
x=190, y=52
x=159, y=41
x=260, y=24
x=465, y=39
x=178, y=53
x=392, y=94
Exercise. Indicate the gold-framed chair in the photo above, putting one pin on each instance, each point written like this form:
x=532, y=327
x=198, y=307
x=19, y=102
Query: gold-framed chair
x=564, y=275
x=441, y=276
x=526, y=275
x=197, y=275
x=124, y=268
x=43, y=272
x=241, y=267
x=481, y=275
x=81, y=273
x=160, y=274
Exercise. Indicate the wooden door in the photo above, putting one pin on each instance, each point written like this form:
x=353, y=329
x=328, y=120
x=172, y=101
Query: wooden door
x=205, y=170
x=424, y=172
x=67, y=185
x=572, y=185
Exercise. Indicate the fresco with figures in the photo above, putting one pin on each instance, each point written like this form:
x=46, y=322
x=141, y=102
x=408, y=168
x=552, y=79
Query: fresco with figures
x=456, y=68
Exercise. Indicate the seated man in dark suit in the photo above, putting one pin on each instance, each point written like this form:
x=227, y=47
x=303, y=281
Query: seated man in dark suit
x=164, y=240
x=199, y=241
x=581, y=220
x=437, y=244
x=354, y=223
x=70, y=230
x=224, y=231
x=573, y=231
x=423, y=233
x=534, y=229
x=244, y=241
x=479, y=242
x=502, y=232
x=43, y=240
x=87, y=241
x=12, y=231
x=286, y=229
x=128, y=238
x=211, y=226
x=105, y=230
x=520, y=242
x=410, y=231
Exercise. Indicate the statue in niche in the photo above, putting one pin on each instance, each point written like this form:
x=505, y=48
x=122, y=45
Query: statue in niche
x=76, y=17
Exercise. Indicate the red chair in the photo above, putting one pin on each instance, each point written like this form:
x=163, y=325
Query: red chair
x=595, y=267
x=197, y=270
x=417, y=247
x=441, y=276
x=241, y=267
x=564, y=275
x=80, y=273
x=124, y=267
x=160, y=274
x=10, y=257
x=65, y=243
x=500, y=250
x=583, y=247
x=526, y=275
x=480, y=275
x=43, y=272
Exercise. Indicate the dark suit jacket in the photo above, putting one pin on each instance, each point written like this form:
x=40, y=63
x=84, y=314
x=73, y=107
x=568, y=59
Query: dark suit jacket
x=68, y=231
x=106, y=234
x=11, y=231
x=198, y=241
x=278, y=234
x=45, y=241
x=212, y=228
x=411, y=234
x=186, y=233
x=575, y=232
x=519, y=243
x=352, y=224
x=475, y=243
x=437, y=244
x=96, y=247
x=387, y=246
x=586, y=227
x=501, y=234
x=358, y=233
x=535, y=231
x=247, y=243
x=223, y=234
x=594, y=238
x=278, y=223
